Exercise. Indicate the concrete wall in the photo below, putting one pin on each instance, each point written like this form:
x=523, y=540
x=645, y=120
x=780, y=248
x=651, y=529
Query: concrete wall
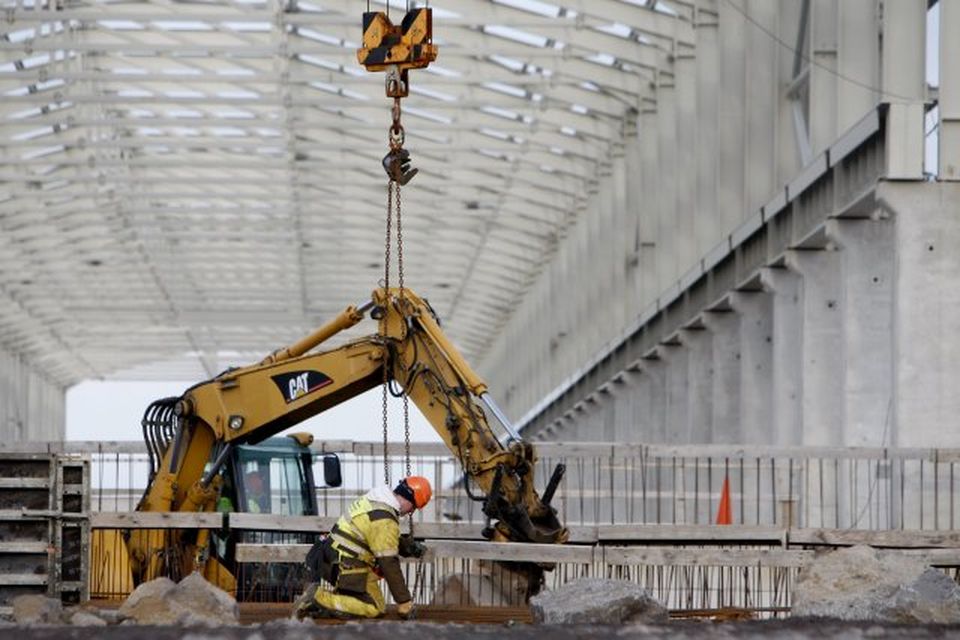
x=844, y=337
x=31, y=407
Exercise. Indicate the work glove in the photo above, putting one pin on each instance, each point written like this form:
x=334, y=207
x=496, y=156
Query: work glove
x=405, y=609
x=397, y=165
x=410, y=547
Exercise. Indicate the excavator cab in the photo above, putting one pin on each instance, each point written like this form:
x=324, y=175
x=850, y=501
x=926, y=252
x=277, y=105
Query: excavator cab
x=275, y=477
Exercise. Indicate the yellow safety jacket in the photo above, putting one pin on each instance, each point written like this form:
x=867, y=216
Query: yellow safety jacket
x=368, y=531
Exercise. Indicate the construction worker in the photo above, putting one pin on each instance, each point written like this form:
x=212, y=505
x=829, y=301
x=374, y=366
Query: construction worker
x=364, y=545
x=257, y=499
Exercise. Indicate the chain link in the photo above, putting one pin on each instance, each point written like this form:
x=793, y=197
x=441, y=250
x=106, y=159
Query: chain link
x=394, y=200
x=386, y=363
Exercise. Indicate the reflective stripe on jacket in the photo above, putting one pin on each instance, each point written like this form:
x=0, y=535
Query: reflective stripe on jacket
x=369, y=530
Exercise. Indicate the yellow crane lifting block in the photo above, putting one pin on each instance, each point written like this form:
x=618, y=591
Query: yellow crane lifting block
x=397, y=49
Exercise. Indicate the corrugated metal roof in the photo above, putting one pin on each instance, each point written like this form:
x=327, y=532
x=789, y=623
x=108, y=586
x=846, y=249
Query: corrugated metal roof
x=189, y=185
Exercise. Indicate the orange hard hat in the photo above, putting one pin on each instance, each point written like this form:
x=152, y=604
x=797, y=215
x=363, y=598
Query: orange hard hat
x=416, y=489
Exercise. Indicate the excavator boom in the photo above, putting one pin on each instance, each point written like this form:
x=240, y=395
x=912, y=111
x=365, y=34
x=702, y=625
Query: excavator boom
x=249, y=404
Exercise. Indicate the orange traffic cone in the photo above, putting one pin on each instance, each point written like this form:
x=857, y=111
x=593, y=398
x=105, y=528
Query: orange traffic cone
x=723, y=513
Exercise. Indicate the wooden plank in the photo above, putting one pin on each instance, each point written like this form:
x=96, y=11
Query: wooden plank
x=272, y=552
x=272, y=522
x=24, y=483
x=22, y=579
x=508, y=552
x=511, y=552
x=690, y=534
x=618, y=555
x=893, y=538
x=156, y=520
x=934, y=557
x=39, y=514
x=38, y=546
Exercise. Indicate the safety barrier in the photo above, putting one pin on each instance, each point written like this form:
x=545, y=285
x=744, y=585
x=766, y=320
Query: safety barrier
x=614, y=483
x=686, y=567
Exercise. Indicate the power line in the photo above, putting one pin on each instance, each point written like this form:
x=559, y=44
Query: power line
x=810, y=60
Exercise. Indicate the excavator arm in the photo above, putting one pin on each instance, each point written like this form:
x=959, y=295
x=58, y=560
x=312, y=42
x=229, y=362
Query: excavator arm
x=192, y=435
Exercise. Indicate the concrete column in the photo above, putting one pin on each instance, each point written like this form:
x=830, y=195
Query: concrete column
x=763, y=94
x=926, y=312
x=669, y=182
x=676, y=389
x=754, y=311
x=858, y=58
x=866, y=310
x=700, y=382
x=650, y=408
x=685, y=214
x=649, y=238
x=627, y=389
x=707, y=227
x=949, y=98
x=731, y=149
x=904, y=86
x=787, y=324
x=724, y=327
x=633, y=209
x=822, y=366
x=822, y=105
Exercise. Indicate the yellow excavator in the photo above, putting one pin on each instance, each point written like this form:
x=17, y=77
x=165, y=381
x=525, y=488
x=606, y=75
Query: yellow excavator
x=196, y=436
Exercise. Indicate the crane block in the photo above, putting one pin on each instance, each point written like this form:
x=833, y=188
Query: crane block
x=397, y=49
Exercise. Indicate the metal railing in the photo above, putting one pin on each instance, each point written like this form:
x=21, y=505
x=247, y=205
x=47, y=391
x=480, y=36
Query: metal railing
x=618, y=483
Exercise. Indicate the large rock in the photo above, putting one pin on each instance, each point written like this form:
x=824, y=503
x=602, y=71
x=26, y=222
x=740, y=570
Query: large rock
x=86, y=619
x=192, y=602
x=37, y=609
x=861, y=583
x=597, y=601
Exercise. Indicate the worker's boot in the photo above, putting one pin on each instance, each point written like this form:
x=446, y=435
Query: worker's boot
x=306, y=606
x=302, y=605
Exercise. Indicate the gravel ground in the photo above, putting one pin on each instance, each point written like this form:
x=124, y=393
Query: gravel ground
x=795, y=629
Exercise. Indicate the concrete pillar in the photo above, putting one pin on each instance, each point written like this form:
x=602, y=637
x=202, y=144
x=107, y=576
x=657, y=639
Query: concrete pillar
x=685, y=215
x=754, y=310
x=822, y=105
x=708, y=227
x=724, y=327
x=858, y=58
x=866, y=311
x=650, y=240
x=699, y=347
x=731, y=149
x=926, y=312
x=904, y=86
x=650, y=408
x=676, y=408
x=763, y=94
x=822, y=366
x=787, y=324
x=949, y=97
x=669, y=180
x=627, y=389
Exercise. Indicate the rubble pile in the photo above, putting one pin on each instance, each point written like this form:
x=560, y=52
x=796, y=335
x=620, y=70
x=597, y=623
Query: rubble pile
x=862, y=583
x=597, y=601
x=192, y=602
